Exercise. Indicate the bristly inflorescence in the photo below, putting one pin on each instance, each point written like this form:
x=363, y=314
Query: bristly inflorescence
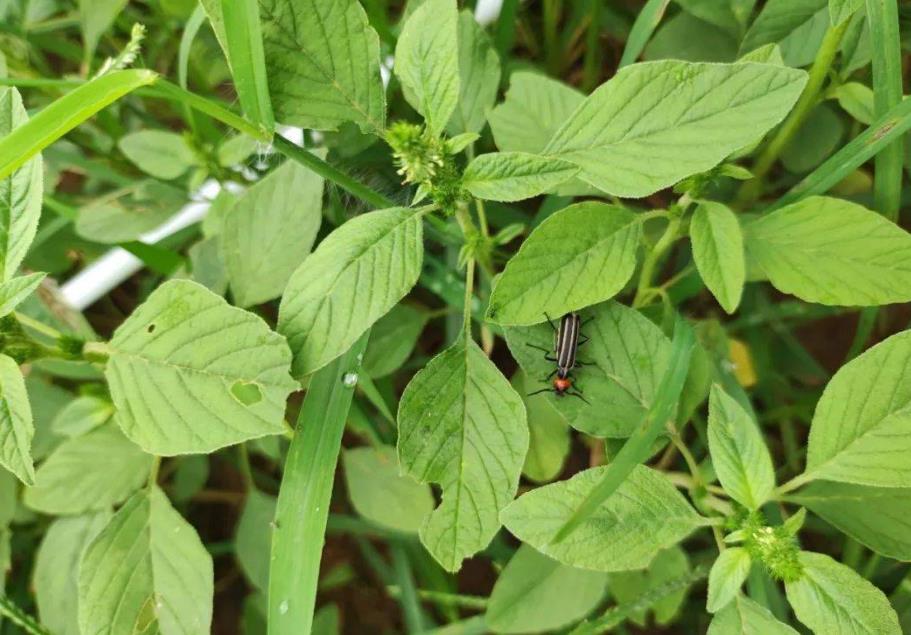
x=775, y=547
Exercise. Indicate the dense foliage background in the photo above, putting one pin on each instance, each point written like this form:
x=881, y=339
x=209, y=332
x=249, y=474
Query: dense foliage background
x=283, y=272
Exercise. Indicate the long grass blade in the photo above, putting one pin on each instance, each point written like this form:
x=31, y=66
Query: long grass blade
x=248, y=61
x=646, y=22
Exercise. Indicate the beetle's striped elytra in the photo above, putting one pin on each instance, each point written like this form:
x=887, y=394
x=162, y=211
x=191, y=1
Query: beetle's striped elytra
x=566, y=344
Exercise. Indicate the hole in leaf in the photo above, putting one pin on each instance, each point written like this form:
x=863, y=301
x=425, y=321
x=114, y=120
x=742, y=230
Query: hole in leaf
x=246, y=393
x=150, y=329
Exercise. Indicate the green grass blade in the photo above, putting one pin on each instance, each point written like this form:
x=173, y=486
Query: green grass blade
x=248, y=61
x=303, y=499
x=646, y=23
x=408, y=595
x=882, y=16
x=884, y=131
x=636, y=449
x=505, y=35
x=66, y=113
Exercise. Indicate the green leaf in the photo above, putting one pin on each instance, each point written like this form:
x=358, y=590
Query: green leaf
x=645, y=515
x=82, y=415
x=244, y=47
x=190, y=374
x=463, y=426
x=833, y=599
x=91, y=472
x=640, y=33
x=579, y=256
x=479, y=77
x=718, y=252
x=124, y=215
x=96, y=17
x=797, y=26
x=857, y=100
x=253, y=539
x=743, y=616
x=536, y=594
x=629, y=355
x=16, y=425
x=728, y=573
x=727, y=14
x=648, y=588
x=164, y=155
x=359, y=272
x=269, y=231
x=656, y=123
x=324, y=64
x=514, y=176
x=817, y=138
x=841, y=10
x=392, y=339
x=15, y=290
x=739, y=454
x=766, y=54
x=65, y=113
x=857, y=431
x=427, y=61
x=382, y=495
x=686, y=37
x=20, y=191
x=548, y=435
x=146, y=572
x=534, y=109
x=57, y=569
x=832, y=251
x=878, y=517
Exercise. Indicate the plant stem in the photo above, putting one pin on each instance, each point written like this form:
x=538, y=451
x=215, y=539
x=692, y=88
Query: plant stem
x=20, y=618
x=408, y=596
x=551, y=20
x=752, y=189
x=647, y=275
x=36, y=325
x=794, y=483
x=453, y=599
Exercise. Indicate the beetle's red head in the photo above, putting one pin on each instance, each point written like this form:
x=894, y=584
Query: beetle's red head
x=562, y=384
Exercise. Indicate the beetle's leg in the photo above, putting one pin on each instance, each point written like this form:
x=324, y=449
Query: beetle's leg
x=551, y=322
x=538, y=392
x=579, y=395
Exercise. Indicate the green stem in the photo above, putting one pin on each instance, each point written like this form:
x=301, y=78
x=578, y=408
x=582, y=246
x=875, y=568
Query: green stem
x=647, y=275
x=551, y=19
x=475, y=602
x=37, y=326
x=408, y=596
x=752, y=189
x=166, y=90
x=794, y=483
x=20, y=618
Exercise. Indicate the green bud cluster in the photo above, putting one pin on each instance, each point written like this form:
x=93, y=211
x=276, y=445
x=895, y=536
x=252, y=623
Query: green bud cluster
x=775, y=547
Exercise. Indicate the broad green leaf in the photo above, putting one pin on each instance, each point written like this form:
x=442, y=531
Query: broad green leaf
x=208, y=266
x=427, y=61
x=269, y=231
x=833, y=599
x=190, y=374
x=739, y=454
x=461, y=425
x=382, y=495
x=878, y=517
x=146, y=572
x=743, y=616
x=765, y=54
x=656, y=123
x=718, y=252
x=514, y=176
x=15, y=290
x=96, y=17
x=818, y=137
x=728, y=573
x=236, y=150
x=164, y=155
x=630, y=587
x=628, y=355
x=81, y=415
x=20, y=192
x=857, y=101
x=832, y=251
x=687, y=37
x=730, y=15
x=860, y=430
x=534, y=109
x=16, y=425
x=645, y=515
x=324, y=64
x=126, y=214
x=57, y=569
x=841, y=10
x=253, y=540
x=579, y=256
x=359, y=272
x=392, y=339
x=797, y=26
x=91, y=472
x=479, y=77
x=548, y=435
x=534, y=594
x=64, y=114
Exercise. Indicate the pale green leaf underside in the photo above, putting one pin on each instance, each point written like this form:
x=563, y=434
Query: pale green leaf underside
x=548, y=434
x=797, y=26
x=90, y=472
x=269, y=231
x=359, y=272
x=514, y=176
x=656, y=123
x=427, y=61
x=727, y=575
x=718, y=252
x=20, y=193
x=579, y=256
x=190, y=374
x=324, y=64
x=628, y=353
x=646, y=514
x=833, y=599
x=832, y=251
x=739, y=454
x=535, y=593
x=392, y=339
x=15, y=290
x=743, y=616
x=479, y=77
x=841, y=10
x=860, y=430
x=461, y=425
x=164, y=155
x=16, y=425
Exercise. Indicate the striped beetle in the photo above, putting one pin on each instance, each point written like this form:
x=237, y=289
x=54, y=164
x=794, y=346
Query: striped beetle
x=566, y=344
